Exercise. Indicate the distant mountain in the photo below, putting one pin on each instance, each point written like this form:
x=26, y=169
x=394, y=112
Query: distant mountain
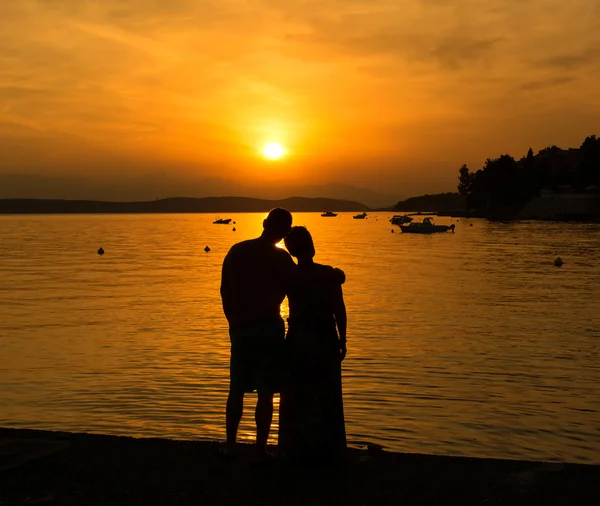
x=333, y=190
x=440, y=202
x=177, y=205
x=165, y=185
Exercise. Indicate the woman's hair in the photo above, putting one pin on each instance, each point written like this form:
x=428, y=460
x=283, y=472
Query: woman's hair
x=299, y=243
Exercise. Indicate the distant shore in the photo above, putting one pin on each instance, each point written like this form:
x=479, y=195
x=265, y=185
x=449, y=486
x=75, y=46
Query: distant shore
x=43, y=467
x=547, y=207
x=177, y=205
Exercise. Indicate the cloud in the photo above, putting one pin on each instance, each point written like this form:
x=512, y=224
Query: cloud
x=457, y=51
x=545, y=84
x=573, y=60
x=19, y=92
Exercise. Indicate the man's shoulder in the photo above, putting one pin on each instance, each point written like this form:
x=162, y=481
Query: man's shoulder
x=243, y=246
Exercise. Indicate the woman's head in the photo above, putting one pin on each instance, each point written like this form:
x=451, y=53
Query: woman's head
x=300, y=244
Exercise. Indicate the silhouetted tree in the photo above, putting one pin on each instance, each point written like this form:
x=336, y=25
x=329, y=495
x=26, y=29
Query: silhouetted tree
x=465, y=178
x=529, y=179
x=477, y=198
x=503, y=184
x=590, y=161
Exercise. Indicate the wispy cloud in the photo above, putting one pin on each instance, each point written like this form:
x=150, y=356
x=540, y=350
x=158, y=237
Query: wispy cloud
x=548, y=83
x=573, y=60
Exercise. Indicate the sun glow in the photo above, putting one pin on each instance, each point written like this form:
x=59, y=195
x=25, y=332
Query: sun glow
x=273, y=151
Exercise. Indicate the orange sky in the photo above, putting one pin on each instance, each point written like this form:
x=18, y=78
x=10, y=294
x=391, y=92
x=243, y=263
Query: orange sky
x=386, y=94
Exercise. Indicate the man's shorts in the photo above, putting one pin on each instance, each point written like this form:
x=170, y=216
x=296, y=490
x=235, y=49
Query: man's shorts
x=257, y=356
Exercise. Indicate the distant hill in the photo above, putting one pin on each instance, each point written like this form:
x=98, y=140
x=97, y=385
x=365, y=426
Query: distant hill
x=151, y=186
x=177, y=205
x=440, y=203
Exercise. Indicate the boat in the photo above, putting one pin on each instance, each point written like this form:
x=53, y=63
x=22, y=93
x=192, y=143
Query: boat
x=400, y=219
x=221, y=221
x=360, y=216
x=328, y=214
x=425, y=227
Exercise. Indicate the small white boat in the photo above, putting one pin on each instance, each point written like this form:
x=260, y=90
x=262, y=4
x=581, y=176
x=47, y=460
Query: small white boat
x=425, y=227
x=400, y=219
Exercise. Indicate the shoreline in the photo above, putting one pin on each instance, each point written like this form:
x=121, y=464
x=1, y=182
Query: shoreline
x=46, y=467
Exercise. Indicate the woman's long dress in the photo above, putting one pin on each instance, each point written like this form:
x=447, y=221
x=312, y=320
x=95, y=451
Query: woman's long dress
x=311, y=419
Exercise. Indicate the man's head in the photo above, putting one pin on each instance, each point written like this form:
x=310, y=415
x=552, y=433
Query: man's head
x=277, y=224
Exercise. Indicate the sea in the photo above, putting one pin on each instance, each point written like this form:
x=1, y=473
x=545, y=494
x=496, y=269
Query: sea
x=471, y=343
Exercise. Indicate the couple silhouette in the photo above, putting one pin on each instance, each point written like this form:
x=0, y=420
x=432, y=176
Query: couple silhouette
x=304, y=366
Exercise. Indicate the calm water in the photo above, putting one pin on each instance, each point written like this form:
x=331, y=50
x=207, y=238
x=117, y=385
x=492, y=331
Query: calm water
x=470, y=343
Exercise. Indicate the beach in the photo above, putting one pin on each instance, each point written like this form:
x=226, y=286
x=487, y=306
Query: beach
x=43, y=467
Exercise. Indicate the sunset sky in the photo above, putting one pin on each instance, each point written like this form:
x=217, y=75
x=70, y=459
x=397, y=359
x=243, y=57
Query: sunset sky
x=391, y=95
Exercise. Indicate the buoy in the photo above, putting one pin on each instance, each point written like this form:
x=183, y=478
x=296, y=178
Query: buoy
x=234, y=222
x=234, y=229
x=207, y=249
x=392, y=231
x=558, y=262
x=470, y=224
x=100, y=251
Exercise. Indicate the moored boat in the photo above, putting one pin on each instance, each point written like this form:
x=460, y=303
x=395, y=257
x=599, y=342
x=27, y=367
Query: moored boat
x=400, y=219
x=328, y=214
x=425, y=227
x=360, y=216
x=221, y=221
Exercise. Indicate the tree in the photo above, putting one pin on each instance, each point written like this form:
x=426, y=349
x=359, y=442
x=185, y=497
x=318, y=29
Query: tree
x=530, y=159
x=590, y=162
x=530, y=181
x=504, y=185
x=465, y=179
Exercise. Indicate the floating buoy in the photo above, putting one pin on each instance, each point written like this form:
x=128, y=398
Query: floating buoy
x=558, y=262
x=234, y=222
x=470, y=224
x=207, y=249
x=234, y=229
x=100, y=251
x=392, y=231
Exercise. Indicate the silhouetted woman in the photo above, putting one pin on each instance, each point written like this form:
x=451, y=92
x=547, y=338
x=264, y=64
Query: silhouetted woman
x=311, y=419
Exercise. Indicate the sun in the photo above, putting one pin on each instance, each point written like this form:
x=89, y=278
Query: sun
x=273, y=151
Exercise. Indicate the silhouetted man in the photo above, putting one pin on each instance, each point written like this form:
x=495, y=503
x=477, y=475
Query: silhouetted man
x=255, y=278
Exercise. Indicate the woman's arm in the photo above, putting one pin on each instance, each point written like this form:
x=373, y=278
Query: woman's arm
x=341, y=319
x=292, y=277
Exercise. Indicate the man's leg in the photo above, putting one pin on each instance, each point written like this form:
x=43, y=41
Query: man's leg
x=233, y=415
x=263, y=417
